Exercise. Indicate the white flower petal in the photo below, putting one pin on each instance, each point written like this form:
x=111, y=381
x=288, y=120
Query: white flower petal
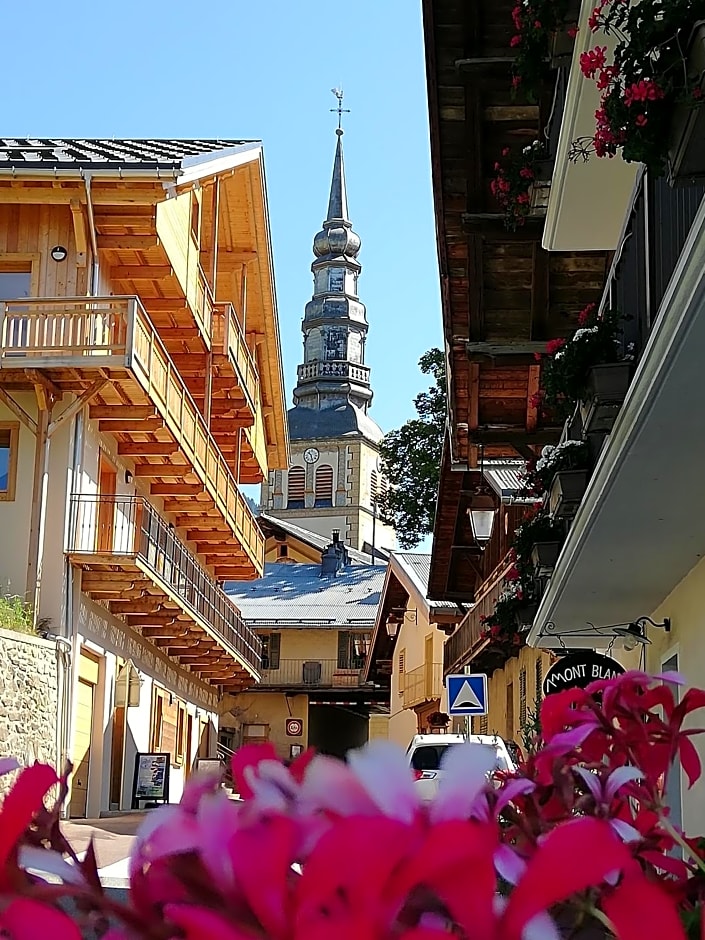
x=465, y=769
x=508, y=864
x=592, y=781
x=383, y=770
x=619, y=777
x=625, y=831
x=540, y=927
x=47, y=862
x=7, y=765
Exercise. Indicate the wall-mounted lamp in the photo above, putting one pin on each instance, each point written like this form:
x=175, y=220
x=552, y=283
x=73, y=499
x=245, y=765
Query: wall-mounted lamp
x=397, y=616
x=635, y=632
x=482, y=510
x=59, y=253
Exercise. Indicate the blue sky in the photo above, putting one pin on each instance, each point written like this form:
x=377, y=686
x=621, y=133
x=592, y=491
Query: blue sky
x=265, y=70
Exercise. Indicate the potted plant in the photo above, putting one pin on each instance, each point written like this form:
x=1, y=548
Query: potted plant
x=589, y=367
x=568, y=457
x=537, y=543
x=652, y=89
x=543, y=28
x=438, y=720
x=517, y=185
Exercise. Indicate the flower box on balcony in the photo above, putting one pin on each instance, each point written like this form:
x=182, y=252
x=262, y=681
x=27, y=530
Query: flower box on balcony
x=544, y=556
x=566, y=493
x=686, y=152
x=609, y=383
x=525, y=616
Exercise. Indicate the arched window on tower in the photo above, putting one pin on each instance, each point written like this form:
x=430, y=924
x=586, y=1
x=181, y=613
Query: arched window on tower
x=324, y=486
x=297, y=485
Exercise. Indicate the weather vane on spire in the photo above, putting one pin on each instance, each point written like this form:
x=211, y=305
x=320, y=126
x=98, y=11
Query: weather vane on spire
x=338, y=92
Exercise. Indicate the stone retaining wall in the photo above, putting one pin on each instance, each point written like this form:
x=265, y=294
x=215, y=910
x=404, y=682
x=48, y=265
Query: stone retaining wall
x=28, y=699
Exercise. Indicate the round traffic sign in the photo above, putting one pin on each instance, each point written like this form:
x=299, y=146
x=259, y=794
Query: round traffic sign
x=294, y=727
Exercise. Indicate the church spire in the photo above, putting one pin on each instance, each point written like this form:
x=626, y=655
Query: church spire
x=333, y=373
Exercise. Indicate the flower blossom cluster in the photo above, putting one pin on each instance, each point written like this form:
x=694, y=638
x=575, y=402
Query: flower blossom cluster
x=326, y=849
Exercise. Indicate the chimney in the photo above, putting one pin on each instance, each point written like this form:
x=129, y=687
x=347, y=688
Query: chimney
x=336, y=536
x=330, y=562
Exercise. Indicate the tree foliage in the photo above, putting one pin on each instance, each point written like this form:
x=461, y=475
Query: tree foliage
x=411, y=459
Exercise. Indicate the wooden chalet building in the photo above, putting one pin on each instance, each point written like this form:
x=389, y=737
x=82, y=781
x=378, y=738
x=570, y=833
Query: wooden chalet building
x=140, y=385
x=503, y=297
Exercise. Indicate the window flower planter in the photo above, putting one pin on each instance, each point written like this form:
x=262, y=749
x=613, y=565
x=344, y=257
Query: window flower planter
x=574, y=426
x=544, y=556
x=686, y=153
x=608, y=388
x=566, y=493
x=525, y=616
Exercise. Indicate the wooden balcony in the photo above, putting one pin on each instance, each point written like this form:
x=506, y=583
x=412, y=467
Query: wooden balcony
x=467, y=641
x=423, y=684
x=312, y=673
x=133, y=562
x=108, y=350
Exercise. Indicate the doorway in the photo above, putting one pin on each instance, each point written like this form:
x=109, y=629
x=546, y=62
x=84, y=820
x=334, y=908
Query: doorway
x=88, y=667
x=117, y=755
x=107, y=487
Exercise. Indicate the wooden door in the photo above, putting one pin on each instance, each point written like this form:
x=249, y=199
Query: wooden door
x=117, y=755
x=87, y=681
x=188, y=751
x=107, y=486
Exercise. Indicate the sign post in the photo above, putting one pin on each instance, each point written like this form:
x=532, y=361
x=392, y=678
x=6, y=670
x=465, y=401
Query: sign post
x=151, y=779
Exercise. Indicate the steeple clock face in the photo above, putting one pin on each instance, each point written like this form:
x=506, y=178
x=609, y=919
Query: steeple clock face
x=311, y=455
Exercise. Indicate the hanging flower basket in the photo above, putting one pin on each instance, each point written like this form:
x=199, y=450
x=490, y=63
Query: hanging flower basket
x=566, y=493
x=518, y=186
x=607, y=388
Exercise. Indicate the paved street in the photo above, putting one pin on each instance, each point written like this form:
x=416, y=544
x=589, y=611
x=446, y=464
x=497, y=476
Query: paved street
x=113, y=839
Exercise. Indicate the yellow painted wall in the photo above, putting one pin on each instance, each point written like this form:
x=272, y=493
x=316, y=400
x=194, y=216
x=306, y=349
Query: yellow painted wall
x=378, y=728
x=309, y=644
x=271, y=709
x=685, y=606
x=505, y=719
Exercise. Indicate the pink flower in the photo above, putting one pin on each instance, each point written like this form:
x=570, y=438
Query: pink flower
x=20, y=805
x=572, y=32
x=593, y=60
x=515, y=41
x=553, y=345
x=641, y=120
x=25, y=919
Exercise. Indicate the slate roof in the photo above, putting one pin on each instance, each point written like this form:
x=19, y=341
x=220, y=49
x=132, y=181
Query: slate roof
x=293, y=595
x=418, y=568
x=306, y=424
x=26, y=153
x=313, y=538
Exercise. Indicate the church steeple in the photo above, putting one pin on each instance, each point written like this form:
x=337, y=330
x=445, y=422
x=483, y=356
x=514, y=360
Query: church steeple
x=333, y=372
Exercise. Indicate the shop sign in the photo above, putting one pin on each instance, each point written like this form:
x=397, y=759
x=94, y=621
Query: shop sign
x=577, y=670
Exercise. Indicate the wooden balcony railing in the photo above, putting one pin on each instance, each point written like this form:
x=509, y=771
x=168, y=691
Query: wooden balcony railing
x=457, y=649
x=423, y=684
x=229, y=339
x=318, y=673
x=115, y=333
x=115, y=527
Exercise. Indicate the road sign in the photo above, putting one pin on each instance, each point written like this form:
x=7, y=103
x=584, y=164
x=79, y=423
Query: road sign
x=467, y=694
x=294, y=727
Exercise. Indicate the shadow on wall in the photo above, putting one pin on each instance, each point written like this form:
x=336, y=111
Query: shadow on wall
x=335, y=730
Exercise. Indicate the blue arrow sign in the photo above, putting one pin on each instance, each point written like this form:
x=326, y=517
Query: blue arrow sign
x=467, y=694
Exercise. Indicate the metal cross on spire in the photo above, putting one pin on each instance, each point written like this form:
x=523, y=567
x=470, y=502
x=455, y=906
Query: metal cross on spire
x=338, y=92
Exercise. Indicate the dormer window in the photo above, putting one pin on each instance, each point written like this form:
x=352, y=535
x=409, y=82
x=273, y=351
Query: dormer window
x=336, y=279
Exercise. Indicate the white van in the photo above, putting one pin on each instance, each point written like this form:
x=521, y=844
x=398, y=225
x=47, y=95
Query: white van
x=426, y=751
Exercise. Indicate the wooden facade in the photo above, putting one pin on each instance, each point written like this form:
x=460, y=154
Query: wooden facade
x=158, y=324
x=503, y=295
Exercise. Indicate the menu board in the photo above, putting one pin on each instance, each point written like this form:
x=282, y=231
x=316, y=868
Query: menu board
x=151, y=779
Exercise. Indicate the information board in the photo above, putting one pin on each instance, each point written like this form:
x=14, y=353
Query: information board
x=151, y=779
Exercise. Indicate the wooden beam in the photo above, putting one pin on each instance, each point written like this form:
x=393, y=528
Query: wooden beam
x=163, y=632
x=480, y=66
x=509, y=351
x=134, y=426
x=39, y=379
x=147, y=448
x=165, y=304
x=76, y=405
x=540, y=293
x=16, y=193
x=141, y=272
x=143, y=605
x=474, y=396
x=18, y=411
x=491, y=225
x=514, y=436
x=129, y=242
x=164, y=471
x=80, y=233
x=122, y=412
x=176, y=489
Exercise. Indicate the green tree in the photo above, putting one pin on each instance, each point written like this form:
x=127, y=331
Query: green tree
x=411, y=459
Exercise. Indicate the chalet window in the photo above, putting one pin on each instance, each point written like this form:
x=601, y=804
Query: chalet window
x=297, y=486
x=271, y=645
x=401, y=669
x=510, y=711
x=9, y=442
x=522, y=699
x=539, y=680
x=15, y=284
x=283, y=551
x=324, y=486
x=484, y=725
x=352, y=649
x=336, y=279
x=181, y=727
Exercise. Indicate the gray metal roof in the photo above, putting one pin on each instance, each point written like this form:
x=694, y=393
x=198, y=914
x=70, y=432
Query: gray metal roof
x=306, y=424
x=313, y=538
x=59, y=153
x=295, y=596
x=418, y=568
x=505, y=477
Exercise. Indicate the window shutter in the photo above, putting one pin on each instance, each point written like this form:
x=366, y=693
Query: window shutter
x=324, y=485
x=274, y=648
x=539, y=679
x=522, y=699
x=297, y=485
x=483, y=725
x=373, y=487
x=343, y=649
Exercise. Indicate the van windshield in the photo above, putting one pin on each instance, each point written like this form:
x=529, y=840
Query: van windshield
x=429, y=756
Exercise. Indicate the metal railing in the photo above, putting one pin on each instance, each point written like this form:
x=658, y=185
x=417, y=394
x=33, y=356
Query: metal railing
x=317, y=673
x=116, y=332
x=422, y=684
x=457, y=648
x=129, y=526
x=229, y=339
x=335, y=367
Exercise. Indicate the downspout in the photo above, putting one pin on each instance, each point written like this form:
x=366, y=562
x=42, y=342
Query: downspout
x=93, y=286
